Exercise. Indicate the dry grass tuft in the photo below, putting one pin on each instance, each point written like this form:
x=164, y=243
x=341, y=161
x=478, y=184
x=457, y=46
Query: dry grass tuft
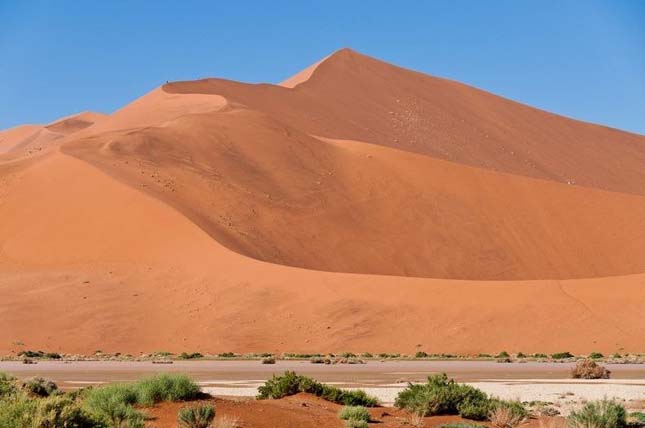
x=227, y=422
x=589, y=369
x=505, y=417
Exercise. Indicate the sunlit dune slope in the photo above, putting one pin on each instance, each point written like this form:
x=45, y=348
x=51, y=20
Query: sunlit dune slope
x=353, y=96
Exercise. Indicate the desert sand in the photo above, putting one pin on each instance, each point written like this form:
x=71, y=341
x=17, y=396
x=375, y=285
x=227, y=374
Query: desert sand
x=361, y=207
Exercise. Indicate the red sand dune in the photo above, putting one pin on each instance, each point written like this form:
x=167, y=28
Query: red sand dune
x=423, y=211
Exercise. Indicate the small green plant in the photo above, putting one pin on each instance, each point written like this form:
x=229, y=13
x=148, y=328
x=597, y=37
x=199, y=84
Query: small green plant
x=366, y=355
x=354, y=412
x=596, y=355
x=598, y=414
x=196, y=416
x=484, y=356
x=421, y=354
x=227, y=355
x=538, y=355
x=616, y=355
x=639, y=416
x=561, y=355
x=353, y=423
x=520, y=355
x=503, y=354
x=40, y=387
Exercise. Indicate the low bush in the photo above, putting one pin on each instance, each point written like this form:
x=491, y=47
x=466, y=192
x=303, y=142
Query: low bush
x=40, y=354
x=589, y=369
x=62, y=411
x=290, y=384
x=17, y=411
x=191, y=356
x=354, y=412
x=165, y=387
x=639, y=416
x=196, y=416
x=40, y=387
x=227, y=355
x=7, y=385
x=268, y=360
x=598, y=414
x=443, y=396
x=538, y=355
x=561, y=355
x=596, y=355
x=503, y=354
x=354, y=423
x=520, y=355
x=113, y=405
x=421, y=354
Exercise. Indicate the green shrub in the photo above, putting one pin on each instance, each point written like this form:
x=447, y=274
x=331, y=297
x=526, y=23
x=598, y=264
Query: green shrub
x=639, y=416
x=290, y=384
x=268, y=360
x=40, y=354
x=192, y=356
x=227, y=355
x=358, y=413
x=443, y=396
x=598, y=414
x=165, y=387
x=7, y=385
x=113, y=404
x=366, y=355
x=540, y=356
x=40, y=387
x=562, y=355
x=520, y=355
x=596, y=355
x=62, y=411
x=353, y=423
x=503, y=354
x=196, y=417
x=421, y=354
x=17, y=411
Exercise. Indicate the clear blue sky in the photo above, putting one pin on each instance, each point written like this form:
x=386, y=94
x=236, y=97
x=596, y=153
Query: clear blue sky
x=584, y=59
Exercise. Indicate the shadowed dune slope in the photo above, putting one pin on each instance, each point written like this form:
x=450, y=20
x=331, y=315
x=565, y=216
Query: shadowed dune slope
x=353, y=96
x=271, y=192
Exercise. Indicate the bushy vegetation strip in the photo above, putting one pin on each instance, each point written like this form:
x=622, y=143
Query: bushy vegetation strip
x=290, y=384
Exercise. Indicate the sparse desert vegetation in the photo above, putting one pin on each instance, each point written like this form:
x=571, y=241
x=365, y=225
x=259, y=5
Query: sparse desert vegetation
x=443, y=396
x=290, y=384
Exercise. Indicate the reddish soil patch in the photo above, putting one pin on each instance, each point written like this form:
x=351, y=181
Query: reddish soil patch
x=303, y=410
